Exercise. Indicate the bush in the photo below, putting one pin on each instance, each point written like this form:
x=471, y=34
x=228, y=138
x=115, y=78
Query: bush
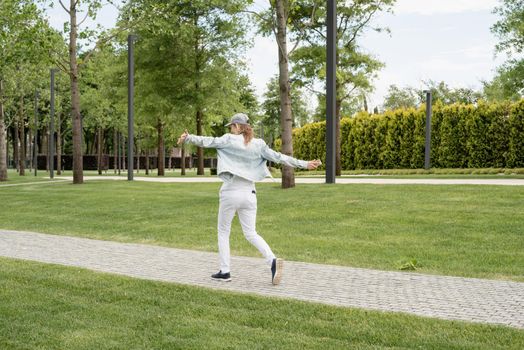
x=516, y=136
x=462, y=136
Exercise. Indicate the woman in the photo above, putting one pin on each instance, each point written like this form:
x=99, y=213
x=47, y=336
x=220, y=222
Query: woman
x=242, y=161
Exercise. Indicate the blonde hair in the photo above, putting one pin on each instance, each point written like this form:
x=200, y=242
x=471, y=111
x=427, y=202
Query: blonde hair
x=247, y=131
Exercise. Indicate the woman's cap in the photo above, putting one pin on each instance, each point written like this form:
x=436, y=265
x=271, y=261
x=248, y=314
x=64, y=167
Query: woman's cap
x=239, y=118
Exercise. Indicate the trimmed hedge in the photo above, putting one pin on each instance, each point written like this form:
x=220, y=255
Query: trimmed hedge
x=462, y=136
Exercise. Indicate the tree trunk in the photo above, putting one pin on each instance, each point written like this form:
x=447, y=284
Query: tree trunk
x=200, y=150
x=286, y=117
x=137, y=154
x=338, y=162
x=119, y=155
x=6, y=148
x=338, y=106
x=147, y=162
x=94, y=144
x=338, y=151
x=99, y=146
x=115, y=149
x=16, y=152
x=29, y=147
x=58, y=145
x=78, y=166
x=45, y=148
x=183, y=161
x=21, y=130
x=3, y=137
x=160, y=153
x=91, y=146
x=122, y=152
x=199, y=113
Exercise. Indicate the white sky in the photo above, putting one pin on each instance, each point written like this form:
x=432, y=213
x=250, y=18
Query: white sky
x=441, y=40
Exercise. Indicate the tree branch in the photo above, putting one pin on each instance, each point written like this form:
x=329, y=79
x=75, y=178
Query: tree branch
x=359, y=27
x=319, y=33
x=63, y=6
x=62, y=66
x=343, y=30
x=99, y=43
x=302, y=31
x=295, y=46
x=82, y=21
x=348, y=94
x=314, y=91
x=350, y=10
x=254, y=13
x=272, y=25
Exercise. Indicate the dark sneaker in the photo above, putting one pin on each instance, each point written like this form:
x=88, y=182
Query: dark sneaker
x=223, y=277
x=276, y=271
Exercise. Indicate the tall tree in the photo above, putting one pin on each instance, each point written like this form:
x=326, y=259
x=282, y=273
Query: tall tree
x=25, y=39
x=277, y=21
x=508, y=83
x=442, y=93
x=510, y=26
x=3, y=138
x=355, y=69
x=397, y=97
x=286, y=117
x=98, y=96
x=87, y=9
x=215, y=31
x=187, y=62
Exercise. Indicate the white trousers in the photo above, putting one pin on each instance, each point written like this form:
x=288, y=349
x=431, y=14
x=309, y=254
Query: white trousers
x=244, y=202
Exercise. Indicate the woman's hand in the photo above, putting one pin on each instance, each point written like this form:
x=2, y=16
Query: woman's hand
x=182, y=137
x=313, y=164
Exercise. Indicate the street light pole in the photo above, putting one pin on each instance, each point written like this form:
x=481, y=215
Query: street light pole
x=35, y=145
x=331, y=92
x=130, y=104
x=427, y=159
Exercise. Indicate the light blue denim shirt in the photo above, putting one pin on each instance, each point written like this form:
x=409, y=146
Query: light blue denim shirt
x=247, y=161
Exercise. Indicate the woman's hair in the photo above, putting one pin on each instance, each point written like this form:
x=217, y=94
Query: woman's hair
x=247, y=131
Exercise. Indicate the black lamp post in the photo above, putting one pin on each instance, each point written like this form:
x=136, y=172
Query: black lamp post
x=331, y=92
x=130, y=103
x=52, y=126
x=35, y=145
x=427, y=159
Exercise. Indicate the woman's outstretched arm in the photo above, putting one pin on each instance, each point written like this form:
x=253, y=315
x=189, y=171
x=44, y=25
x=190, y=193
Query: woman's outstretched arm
x=203, y=141
x=277, y=157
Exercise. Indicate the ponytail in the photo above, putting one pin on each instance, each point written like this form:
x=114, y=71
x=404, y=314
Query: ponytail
x=247, y=132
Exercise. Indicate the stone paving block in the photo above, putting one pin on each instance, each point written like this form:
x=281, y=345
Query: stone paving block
x=445, y=297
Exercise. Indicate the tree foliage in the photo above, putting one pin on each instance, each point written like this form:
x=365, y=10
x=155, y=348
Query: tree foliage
x=26, y=40
x=270, y=120
x=441, y=93
x=510, y=26
x=508, y=83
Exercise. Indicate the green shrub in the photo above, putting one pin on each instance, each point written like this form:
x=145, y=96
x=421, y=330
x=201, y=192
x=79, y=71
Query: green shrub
x=516, y=136
x=462, y=136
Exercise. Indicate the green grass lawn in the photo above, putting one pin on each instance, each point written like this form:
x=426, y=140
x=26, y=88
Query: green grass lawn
x=14, y=178
x=433, y=172
x=489, y=173
x=55, y=307
x=44, y=175
x=473, y=231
